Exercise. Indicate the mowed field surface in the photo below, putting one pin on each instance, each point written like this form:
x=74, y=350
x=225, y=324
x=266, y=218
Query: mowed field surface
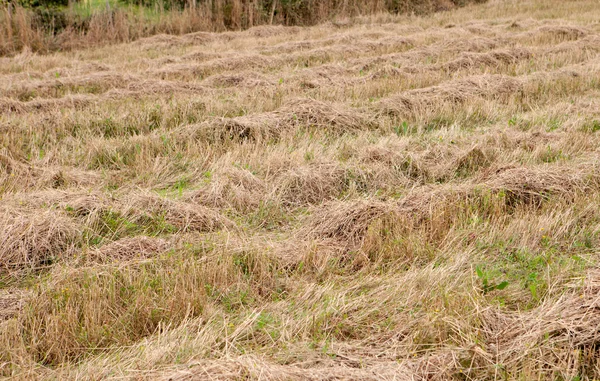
x=389, y=198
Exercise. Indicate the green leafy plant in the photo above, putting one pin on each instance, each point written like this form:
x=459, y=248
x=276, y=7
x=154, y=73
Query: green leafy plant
x=487, y=285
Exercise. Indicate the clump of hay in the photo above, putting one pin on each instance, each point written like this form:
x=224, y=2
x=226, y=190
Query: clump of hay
x=297, y=113
x=290, y=47
x=389, y=71
x=532, y=186
x=325, y=75
x=333, y=117
x=33, y=237
x=160, y=41
x=310, y=184
x=471, y=161
x=590, y=42
x=263, y=31
x=477, y=44
x=246, y=79
x=253, y=367
x=201, y=56
x=78, y=203
x=557, y=330
x=243, y=63
x=131, y=248
x=563, y=32
x=344, y=221
x=457, y=92
x=202, y=38
x=230, y=187
x=11, y=166
x=44, y=105
x=64, y=177
x=237, y=63
x=145, y=208
x=11, y=302
x=380, y=153
x=491, y=59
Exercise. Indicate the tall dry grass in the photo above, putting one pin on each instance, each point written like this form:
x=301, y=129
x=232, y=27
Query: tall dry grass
x=23, y=28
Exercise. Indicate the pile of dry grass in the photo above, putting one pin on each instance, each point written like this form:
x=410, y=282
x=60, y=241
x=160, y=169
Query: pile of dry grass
x=33, y=238
x=325, y=75
x=453, y=93
x=264, y=31
x=11, y=303
x=345, y=221
x=78, y=202
x=239, y=80
x=311, y=184
x=169, y=214
x=297, y=113
x=562, y=32
x=563, y=331
x=471, y=161
x=235, y=63
x=532, y=186
x=435, y=209
x=230, y=187
x=130, y=248
x=256, y=368
x=8, y=105
x=490, y=59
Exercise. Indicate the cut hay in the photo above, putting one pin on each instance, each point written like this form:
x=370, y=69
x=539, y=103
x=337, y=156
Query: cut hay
x=34, y=238
x=564, y=331
x=11, y=303
x=344, y=221
x=457, y=92
x=77, y=203
x=130, y=248
x=324, y=75
x=239, y=80
x=384, y=197
x=297, y=113
x=563, y=32
x=64, y=177
x=201, y=56
x=237, y=63
x=489, y=59
x=471, y=161
x=230, y=188
x=312, y=184
x=264, y=31
x=531, y=186
x=348, y=221
x=148, y=208
x=254, y=368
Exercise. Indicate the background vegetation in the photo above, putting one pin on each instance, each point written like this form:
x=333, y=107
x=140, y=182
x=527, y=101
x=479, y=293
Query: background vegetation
x=46, y=25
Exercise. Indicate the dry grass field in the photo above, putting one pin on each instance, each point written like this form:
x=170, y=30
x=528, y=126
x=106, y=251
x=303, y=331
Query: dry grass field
x=384, y=198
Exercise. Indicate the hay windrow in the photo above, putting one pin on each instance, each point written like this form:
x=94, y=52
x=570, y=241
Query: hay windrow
x=181, y=216
x=490, y=59
x=230, y=188
x=247, y=79
x=345, y=221
x=311, y=184
x=415, y=102
x=31, y=239
x=11, y=303
x=569, y=322
x=303, y=112
x=130, y=248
